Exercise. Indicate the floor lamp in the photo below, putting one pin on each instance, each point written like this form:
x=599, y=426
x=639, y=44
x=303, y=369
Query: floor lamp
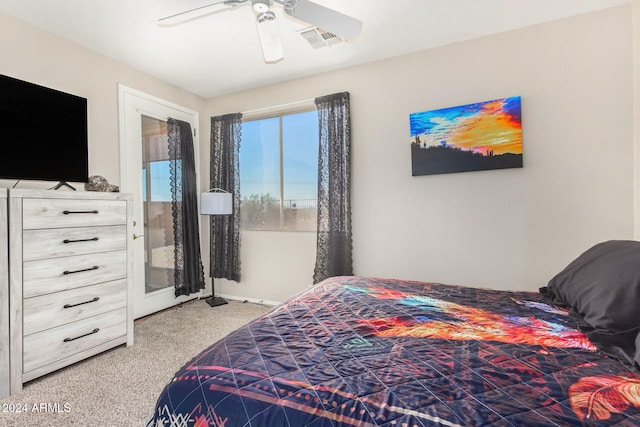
x=216, y=202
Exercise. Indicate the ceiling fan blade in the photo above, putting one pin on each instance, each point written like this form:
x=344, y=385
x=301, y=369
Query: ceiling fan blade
x=269, y=37
x=330, y=20
x=199, y=12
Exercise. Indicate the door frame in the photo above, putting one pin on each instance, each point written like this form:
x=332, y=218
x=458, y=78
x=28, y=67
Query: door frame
x=132, y=104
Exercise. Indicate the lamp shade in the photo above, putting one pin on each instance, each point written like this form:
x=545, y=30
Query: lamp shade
x=216, y=203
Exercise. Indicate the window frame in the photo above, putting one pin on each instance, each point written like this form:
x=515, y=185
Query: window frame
x=279, y=113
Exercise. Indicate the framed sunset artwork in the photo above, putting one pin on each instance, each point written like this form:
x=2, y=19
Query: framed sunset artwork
x=481, y=136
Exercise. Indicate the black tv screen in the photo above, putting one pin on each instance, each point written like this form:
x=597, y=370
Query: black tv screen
x=43, y=133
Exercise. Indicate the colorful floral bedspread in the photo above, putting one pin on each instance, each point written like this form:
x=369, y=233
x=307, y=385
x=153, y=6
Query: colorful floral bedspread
x=354, y=351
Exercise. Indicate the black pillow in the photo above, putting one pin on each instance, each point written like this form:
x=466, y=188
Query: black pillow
x=603, y=286
x=637, y=354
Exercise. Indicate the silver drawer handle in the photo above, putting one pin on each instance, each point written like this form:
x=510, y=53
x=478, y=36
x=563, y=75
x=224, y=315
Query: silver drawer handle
x=95, y=331
x=95, y=267
x=93, y=239
x=96, y=299
x=80, y=212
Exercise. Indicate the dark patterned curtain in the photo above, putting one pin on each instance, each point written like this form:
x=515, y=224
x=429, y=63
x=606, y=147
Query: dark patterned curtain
x=333, y=257
x=188, y=273
x=226, y=132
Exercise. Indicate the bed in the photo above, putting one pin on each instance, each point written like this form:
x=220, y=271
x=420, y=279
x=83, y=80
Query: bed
x=356, y=351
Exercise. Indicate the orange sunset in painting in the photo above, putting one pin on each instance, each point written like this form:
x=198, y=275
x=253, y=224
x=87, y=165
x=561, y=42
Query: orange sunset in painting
x=481, y=136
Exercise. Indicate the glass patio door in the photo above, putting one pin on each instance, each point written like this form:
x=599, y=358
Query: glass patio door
x=159, y=242
x=145, y=173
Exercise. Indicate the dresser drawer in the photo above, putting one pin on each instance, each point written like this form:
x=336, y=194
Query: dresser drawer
x=59, y=242
x=46, y=347
x=50, y=311
x=48, y=275
x=57, y=213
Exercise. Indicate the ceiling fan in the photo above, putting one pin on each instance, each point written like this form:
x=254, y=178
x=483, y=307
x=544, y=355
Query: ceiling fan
x=308, y=12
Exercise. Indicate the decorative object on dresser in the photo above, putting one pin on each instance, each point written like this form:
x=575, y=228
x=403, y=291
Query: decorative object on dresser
x=70, y=278
x=216, y=202
x=100, y=183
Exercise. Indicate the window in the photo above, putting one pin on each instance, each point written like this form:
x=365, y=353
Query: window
x=279, y=172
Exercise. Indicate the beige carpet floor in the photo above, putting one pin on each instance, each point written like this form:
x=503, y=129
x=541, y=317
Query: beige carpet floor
x=119, y=387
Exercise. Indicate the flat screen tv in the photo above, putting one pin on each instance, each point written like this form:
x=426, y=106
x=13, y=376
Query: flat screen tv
x=43, y=133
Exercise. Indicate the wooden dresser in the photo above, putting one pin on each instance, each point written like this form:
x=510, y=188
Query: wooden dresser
x=69, y=278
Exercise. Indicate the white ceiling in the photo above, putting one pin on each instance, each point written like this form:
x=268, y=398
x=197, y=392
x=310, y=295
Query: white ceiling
x=220, y=53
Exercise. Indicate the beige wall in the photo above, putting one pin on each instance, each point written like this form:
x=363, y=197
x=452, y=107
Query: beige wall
x=34, y=55
x=509, y=229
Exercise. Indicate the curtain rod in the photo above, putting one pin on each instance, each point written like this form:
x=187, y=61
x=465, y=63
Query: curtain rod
x=309, y=101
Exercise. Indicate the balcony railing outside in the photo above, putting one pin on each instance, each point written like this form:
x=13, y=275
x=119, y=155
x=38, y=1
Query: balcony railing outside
x=300, y=203
x=262, y=212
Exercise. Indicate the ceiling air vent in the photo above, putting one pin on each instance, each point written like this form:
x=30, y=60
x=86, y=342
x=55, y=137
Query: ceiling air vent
x=318, y=38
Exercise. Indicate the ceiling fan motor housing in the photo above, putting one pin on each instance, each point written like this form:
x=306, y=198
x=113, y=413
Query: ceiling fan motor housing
x=266, y=16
